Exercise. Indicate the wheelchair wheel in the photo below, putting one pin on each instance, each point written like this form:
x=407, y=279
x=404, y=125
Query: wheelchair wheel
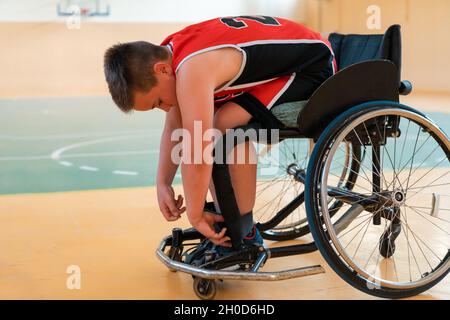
x=280, y=186
x=391, y=237
x=205, y=289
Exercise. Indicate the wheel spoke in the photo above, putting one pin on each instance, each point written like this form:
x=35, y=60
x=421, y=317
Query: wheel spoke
x=389, y=156
x=405, y=151
x=446, y=232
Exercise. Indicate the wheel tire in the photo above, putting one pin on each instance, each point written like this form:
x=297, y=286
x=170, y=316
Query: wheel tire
x=205, y=289
x=315, y=220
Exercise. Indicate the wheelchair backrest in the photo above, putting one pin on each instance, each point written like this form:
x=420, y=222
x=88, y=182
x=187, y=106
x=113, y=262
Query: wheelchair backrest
x=369, y=70
x=353, y=48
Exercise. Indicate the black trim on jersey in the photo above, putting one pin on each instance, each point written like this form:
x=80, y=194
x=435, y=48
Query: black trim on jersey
x=258, y=110
x=272, y=60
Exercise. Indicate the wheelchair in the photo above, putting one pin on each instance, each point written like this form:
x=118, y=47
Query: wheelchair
x=363, y=174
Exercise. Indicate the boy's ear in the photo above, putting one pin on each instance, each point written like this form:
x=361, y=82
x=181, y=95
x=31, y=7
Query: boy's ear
x=162, y=67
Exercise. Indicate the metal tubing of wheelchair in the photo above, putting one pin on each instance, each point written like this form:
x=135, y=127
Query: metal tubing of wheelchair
x=292, y=250
x=349, y=197
x=177, y=237
x=261, y=259
x=376, y=179
x=284, y=213
x=395, y=227
x=298, y=174
x=290, y=134
x=235, y=275
x=344, y=195
x=352, y=213
x=187, y=234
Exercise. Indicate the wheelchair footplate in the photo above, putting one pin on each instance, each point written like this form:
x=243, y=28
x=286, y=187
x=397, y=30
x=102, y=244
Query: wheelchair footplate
x=190, y=252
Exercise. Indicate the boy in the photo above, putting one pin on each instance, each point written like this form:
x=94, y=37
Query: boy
x=215, y=72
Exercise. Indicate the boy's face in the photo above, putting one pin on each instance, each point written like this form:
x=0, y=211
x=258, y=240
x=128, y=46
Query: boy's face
x=163, y=95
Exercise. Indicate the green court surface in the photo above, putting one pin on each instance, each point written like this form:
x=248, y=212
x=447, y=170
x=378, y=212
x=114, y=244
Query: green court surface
x=61, y=144
x=81, y=143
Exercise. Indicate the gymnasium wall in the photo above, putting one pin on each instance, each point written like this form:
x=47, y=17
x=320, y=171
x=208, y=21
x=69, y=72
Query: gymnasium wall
x=425, y=30
x=47, y=59
x=41, y=56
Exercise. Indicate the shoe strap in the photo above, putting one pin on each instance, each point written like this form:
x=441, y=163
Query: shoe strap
x=251, y=234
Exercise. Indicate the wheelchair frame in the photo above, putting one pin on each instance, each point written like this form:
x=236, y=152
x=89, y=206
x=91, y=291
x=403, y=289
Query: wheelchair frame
x=360, y=84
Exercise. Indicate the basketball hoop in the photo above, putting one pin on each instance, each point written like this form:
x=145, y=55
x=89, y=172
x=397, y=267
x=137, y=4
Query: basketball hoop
x=84, y=12
x=83, y=8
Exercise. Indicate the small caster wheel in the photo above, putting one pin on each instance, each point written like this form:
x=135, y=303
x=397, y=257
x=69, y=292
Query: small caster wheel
x=387, y=248
x=205, y=289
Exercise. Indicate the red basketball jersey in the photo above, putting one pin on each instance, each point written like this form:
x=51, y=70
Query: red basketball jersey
x=274, y=50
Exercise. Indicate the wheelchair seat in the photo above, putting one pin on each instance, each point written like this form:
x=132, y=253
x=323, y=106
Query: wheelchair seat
x=288, y=112
x=369, y=68
x=351, y=51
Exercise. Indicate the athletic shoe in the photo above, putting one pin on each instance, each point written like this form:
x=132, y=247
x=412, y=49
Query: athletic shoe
x=254, y=237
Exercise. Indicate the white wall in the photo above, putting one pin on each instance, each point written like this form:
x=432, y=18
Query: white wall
x=154, y=10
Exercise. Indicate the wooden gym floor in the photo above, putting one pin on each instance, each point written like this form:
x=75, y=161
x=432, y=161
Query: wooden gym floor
x=70, y=198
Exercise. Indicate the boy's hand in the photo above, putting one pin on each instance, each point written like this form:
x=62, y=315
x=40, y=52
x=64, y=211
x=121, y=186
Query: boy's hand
x=170, y=208
x=206, y=227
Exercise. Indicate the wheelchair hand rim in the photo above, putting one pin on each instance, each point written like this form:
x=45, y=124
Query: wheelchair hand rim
x=377, y=281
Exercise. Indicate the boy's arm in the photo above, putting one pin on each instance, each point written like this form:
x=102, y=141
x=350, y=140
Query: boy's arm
x=166, y=167
x=195, y=93
x=170, y=208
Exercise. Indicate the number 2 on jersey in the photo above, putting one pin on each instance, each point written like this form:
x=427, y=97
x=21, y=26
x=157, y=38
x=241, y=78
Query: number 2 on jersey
x=235, y=22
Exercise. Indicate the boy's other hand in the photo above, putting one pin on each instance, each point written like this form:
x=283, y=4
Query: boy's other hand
x=170, y=207
x=206, y=227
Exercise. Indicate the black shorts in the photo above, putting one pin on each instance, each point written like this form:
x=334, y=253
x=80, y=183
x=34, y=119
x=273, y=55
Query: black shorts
x=297, y=87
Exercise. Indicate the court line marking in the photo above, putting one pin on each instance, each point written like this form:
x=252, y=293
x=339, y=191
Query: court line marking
x=88, y=168
x=128, y=173
x=112, y=153
x=21, y=158
x=80, y=135
x=56, y=155
x=80, y=155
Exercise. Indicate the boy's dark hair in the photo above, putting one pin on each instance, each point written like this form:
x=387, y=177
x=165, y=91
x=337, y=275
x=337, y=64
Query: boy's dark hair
x=128, y=67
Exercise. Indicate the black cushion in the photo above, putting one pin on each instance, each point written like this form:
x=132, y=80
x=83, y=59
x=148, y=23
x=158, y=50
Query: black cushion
x=353, y=48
